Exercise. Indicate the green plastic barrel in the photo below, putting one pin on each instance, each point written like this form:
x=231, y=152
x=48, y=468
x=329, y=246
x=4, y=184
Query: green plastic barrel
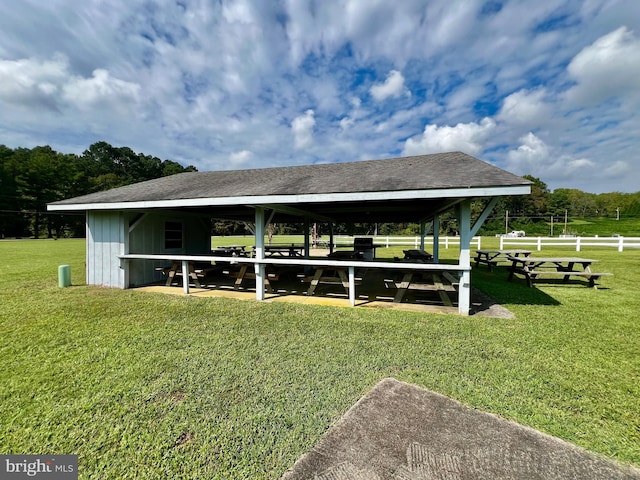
x=64, y=276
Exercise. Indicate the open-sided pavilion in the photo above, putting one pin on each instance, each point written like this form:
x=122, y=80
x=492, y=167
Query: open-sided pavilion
x=133, y=229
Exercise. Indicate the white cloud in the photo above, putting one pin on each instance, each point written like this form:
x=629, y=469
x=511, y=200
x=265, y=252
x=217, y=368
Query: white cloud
x=302, y=127
x=50, y=83
x=466, y=137
x=525, y=108
x=239, y=158
x=535, y=157
x=393, y=87
x=346, y=123
x=610, y=67
x=30, y=81
x=530, y=153
x=101, y=87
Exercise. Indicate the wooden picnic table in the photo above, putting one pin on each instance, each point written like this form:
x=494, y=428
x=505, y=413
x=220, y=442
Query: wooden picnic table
x=565, y=267
x=431, y=281
x=346, y=255
x=246, y=273
x=492, y=257
x=196, y=270
x=417, y=256
x=230, y=251
x=330, y=276
x=284, y=250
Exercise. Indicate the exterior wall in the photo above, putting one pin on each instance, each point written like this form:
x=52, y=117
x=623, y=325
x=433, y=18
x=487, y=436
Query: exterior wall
x=105, y=241
x=110, y=234
x=146, y=235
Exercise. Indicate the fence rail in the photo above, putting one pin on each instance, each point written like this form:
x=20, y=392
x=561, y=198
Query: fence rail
x=408, y=241
x=578, y=242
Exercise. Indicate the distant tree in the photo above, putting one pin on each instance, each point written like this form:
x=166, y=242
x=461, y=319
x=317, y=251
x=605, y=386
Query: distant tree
x=11, y=221
x=31, y=178
x=170, y=167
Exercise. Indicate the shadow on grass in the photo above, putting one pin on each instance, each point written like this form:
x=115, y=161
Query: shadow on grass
x=496, y=285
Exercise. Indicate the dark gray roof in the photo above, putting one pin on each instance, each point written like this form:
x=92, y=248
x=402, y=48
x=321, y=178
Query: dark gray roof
x=423, y=172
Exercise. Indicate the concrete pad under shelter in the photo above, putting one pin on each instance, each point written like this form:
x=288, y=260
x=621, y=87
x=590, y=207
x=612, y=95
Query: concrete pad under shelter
x=399, y=431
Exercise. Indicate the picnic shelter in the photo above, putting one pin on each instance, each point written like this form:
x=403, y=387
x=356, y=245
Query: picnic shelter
x=134, y=230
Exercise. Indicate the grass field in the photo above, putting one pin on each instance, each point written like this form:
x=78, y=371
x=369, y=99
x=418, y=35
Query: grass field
x=144, y=385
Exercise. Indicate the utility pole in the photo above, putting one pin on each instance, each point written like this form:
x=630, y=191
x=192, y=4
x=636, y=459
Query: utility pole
x=506, y=222
x=565, y=222
x=618, y=213
x=552, y=225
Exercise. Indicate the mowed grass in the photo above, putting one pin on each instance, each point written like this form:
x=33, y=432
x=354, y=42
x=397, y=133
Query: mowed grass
x=146, y=385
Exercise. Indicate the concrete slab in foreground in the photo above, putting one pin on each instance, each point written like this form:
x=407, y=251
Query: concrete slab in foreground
x=399, y=431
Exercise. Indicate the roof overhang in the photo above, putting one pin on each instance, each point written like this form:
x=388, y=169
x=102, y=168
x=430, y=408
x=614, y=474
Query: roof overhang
x=293, y=200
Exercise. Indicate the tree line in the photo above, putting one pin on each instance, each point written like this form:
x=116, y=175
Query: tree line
x=32, y=178
x=533, y=213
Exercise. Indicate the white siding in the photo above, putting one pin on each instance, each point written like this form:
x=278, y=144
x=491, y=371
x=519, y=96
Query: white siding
x=110, y=234
x=105, y=241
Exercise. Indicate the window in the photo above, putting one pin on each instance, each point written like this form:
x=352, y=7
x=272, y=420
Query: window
x=172, y=235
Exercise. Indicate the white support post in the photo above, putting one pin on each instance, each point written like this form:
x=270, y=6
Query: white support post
x=464, y=289
x=331, y=239
x=126, y=265
x=621, y=244
x=185, y=276
x=259, y=267
x=465, y=233
x=436, y=239
x=352, y=286
x=464, y=293
x=307, y=244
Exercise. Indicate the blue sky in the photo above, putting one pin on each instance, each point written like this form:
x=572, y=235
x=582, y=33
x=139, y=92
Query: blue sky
x=548, y=88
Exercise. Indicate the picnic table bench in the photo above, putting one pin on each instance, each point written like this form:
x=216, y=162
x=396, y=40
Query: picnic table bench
x=492, y=257
x=565, y=267
x=245, y=273
x=195, y=271
x=431, y=281
x=417, y=256
x=330, y=276
x=284, y=250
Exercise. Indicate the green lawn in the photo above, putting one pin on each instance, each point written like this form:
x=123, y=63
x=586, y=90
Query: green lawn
x=146, y=385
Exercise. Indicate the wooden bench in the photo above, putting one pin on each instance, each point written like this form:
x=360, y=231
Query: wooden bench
x=418, y=256
x=245, y=273
x=565, y=267
x=592, y=277
x=322, y=276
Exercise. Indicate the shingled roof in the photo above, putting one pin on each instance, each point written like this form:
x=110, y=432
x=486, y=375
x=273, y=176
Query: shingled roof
x=424, y=172
x=391, y=189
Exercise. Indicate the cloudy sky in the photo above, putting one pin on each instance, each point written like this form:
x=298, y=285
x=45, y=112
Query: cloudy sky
x=549, y=88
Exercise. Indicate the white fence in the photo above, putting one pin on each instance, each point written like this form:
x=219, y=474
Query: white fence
x=407, y=241
x=578, y=242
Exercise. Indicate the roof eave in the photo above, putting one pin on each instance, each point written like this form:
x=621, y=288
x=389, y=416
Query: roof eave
x=300, y=198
